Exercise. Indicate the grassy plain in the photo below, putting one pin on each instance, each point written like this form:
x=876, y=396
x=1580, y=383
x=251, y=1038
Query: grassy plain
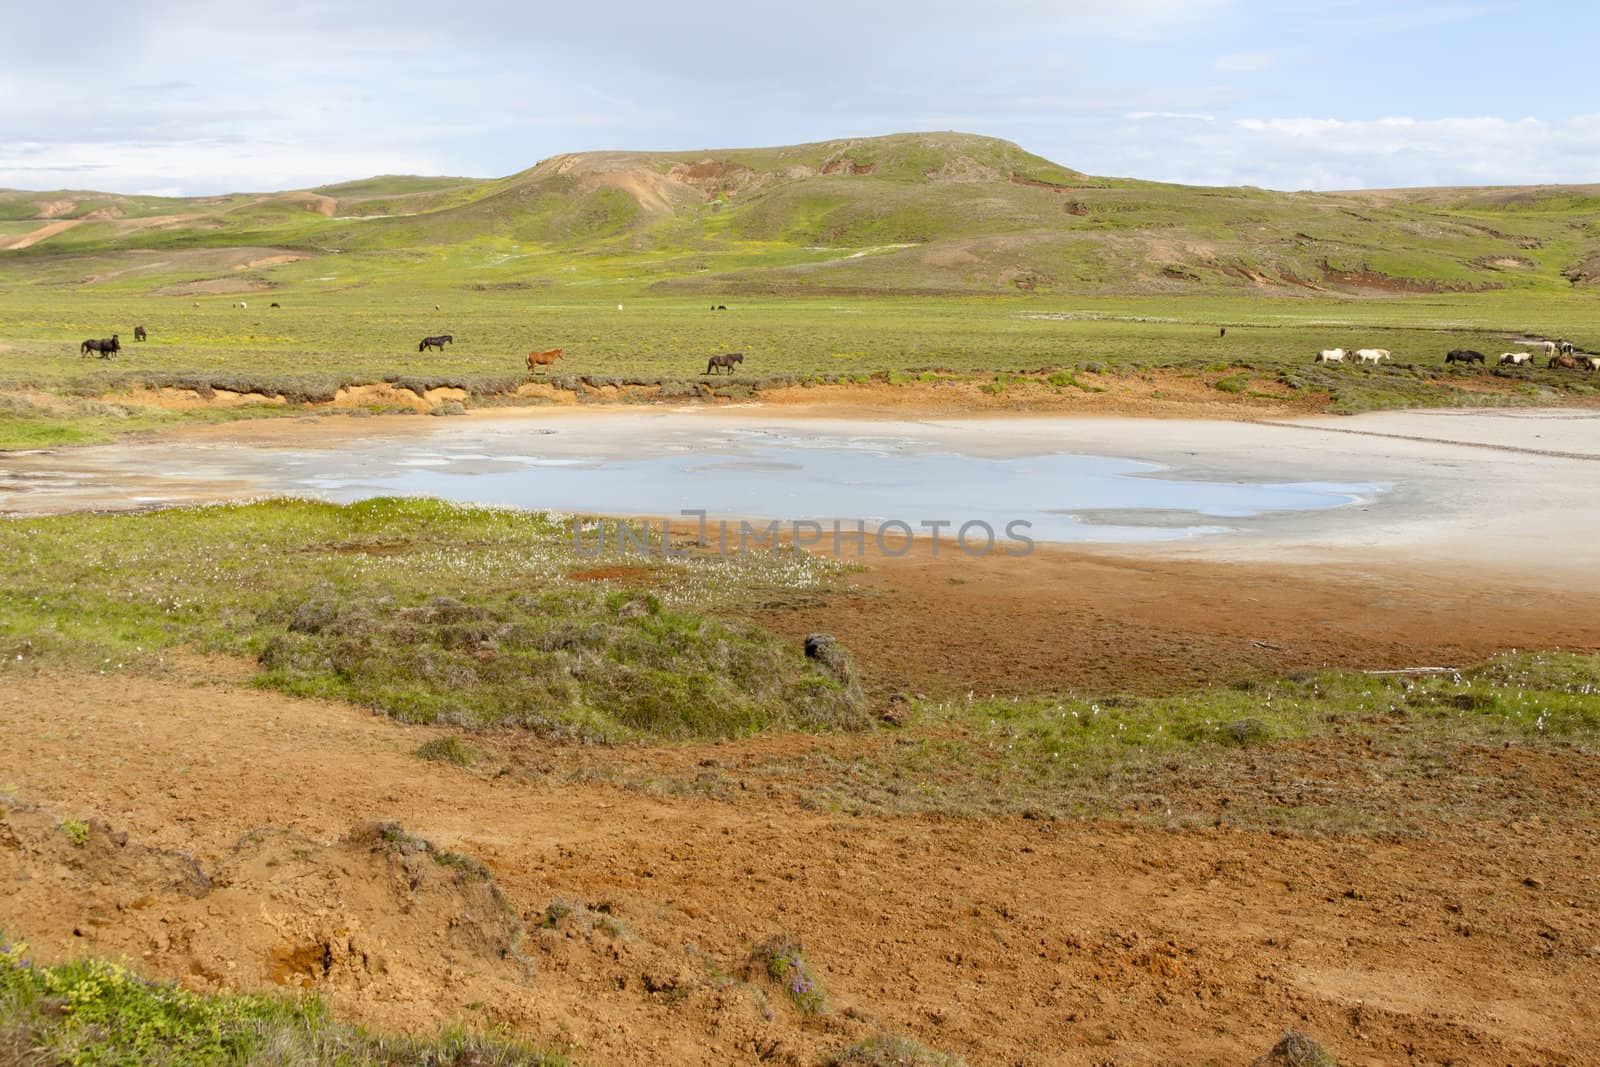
x=318, y=343
x=844, y=260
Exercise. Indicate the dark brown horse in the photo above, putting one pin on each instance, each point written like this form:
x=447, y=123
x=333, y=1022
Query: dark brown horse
x=435, y=342
x=724, y=362
x=1463, y=355
x=544, y=359
x=139, y=334
x=105, y=346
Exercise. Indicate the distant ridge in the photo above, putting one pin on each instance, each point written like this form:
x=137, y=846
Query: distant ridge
x=915, y=212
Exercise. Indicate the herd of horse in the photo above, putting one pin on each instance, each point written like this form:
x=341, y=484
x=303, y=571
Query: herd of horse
x=1560, y=355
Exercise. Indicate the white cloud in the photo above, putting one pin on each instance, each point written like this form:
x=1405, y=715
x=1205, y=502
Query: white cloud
x=179, y=169
x=1185, y=116
x=1244, y=62
x=1327, y=153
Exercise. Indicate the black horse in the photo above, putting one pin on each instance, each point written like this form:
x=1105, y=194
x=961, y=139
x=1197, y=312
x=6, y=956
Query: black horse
x=1463, y=355
x=139, y=334
x=724, y=363
x=105, y=346
x=434, y=342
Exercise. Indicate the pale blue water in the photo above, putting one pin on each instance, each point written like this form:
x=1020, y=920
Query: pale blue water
x=874, y=480
x=740, y=473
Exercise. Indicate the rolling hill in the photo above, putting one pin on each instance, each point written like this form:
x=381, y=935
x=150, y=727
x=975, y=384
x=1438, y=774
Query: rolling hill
x=918, y=213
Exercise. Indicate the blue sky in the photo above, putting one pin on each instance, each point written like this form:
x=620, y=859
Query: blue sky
x=180, y=97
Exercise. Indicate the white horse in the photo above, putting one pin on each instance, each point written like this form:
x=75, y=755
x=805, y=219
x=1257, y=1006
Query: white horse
x=1372, y=355
x=1516, y=359
x=1331, y=355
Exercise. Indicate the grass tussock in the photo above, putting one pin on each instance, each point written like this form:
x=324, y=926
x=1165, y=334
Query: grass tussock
x=343, y=602
x=1231, y=754
x=893, y=1051
x=577, y=661
x=95, y=1013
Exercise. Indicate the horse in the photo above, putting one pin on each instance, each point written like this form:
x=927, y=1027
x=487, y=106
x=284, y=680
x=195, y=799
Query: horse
x=1568, y=348
x=1222, y=332
x=544, y=359
x=1516, y=359
x=1564, y=363
x=435, y=342
x=139, y=334
x=1550, y=348
x=1331, y=355
x=276, y=304
x=1372, y=355
x=1593, y=362
x=105, y=346
x=1463, y=355
x=724, y=362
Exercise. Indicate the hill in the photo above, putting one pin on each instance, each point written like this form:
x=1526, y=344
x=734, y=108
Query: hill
x=930, y=212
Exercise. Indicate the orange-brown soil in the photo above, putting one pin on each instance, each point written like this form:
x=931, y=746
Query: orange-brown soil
x=1473, y=936
x=1062, y=618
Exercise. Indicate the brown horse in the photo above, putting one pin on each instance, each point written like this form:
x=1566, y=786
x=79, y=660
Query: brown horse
x=724, y=363
x=544, y=359
x=139, y=334
x=106, y=347
x=1564, y=363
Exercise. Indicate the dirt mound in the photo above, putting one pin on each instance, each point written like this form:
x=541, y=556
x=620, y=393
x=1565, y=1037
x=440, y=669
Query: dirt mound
x=213, y=287
x=376, y=907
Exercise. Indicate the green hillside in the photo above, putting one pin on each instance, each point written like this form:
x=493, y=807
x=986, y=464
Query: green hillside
x=910, y=213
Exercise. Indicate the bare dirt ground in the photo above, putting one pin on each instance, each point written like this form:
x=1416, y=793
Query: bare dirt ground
x=33, y=237
x=1063, y=618
x=1007, y=940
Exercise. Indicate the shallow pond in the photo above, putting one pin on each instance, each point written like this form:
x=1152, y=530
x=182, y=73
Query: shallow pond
x=790, y=474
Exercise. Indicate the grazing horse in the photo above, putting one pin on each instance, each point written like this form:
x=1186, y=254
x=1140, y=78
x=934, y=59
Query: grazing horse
x=1592, y=362
x=1331, y=355
x=139, y=334
x=544, y=359
x=1564, y=363
x=276, y=304
x=725, y=362
x=1463, y=355
x=435, y=342
x=105, y=346
x=1568, y=348
x=1550, y=348
x=1516, y=359
x=1372, y=355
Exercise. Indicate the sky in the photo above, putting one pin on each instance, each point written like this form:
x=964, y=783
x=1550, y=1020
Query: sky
x=179, y=97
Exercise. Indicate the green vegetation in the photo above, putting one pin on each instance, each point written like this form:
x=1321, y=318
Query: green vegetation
x=77, y=831
x=343, y=602
x=1219, y=754
x=94, y=1013
x=891, y=1051
x=849, y=260
x=783, y=961
x=452, y=750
